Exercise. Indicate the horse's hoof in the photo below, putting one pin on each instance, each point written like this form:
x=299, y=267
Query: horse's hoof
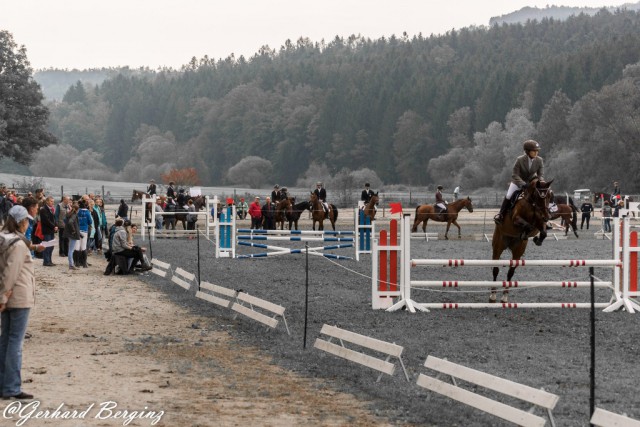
x=537, y=241
x=492, y=298
x=504, y=299
x=445, y=237
x=523, y=236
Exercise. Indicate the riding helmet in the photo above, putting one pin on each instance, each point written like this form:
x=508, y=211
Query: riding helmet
x=531, y=145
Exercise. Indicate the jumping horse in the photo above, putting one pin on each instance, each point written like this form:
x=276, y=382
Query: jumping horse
x=528, y=218
x=318, y=213
x=424, y=213
x=370, y=207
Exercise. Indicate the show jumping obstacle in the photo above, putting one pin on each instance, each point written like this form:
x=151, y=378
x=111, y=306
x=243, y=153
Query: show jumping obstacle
x=386, y=287
x=150, y=227
x=228, y=237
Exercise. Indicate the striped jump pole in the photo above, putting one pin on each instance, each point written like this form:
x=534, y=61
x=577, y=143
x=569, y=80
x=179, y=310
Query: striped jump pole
x=251, y=232
x=297, y=239
x=284, y=251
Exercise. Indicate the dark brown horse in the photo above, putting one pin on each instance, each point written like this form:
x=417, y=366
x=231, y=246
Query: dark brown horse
x=528, y=218
x=318, y=213
x=282, y=207
x=138, y=195
x=293, y=214
x=424, y=213
x=370, y=207
x=568, y=214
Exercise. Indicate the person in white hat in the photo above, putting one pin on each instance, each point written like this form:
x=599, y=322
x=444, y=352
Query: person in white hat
x=17, y=297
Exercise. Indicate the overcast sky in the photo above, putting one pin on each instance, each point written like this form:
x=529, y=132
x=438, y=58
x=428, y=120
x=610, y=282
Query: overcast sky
x=110, y=33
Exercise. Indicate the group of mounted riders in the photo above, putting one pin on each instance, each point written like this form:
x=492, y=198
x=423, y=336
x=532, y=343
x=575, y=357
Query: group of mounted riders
x=281, y=208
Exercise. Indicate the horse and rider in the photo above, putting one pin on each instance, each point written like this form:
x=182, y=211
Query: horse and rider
x=524, y=211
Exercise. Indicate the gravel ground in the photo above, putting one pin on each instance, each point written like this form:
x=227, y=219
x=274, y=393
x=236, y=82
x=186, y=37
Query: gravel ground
x=543, y=348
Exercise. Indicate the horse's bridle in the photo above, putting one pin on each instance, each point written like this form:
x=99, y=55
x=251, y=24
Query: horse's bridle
x=539, y=194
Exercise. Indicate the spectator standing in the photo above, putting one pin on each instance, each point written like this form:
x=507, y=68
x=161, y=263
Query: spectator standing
x=31, y=205
x=72, y=234
x=269, y=215
x=17, y=297
x=49, y=228
x=243, y=208
x=191, y=216
x=62, y=209
x=367, y=193
x=255, y=212
x=587, y=209
x=84, y=221
x=606, y=216
x=159, y=212
x=170, y=220
x=151, y=189
x=456, y=193
x=103, y=219
x=123, y=210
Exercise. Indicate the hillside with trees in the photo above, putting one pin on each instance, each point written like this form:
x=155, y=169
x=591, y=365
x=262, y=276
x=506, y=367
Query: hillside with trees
x=451, y=109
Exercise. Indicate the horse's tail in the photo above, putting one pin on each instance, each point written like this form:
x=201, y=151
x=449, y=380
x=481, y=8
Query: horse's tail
x=574, y=218
x=416, y=214
x=335, y=210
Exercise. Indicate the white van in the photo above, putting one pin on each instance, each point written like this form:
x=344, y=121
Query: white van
x=582, y=195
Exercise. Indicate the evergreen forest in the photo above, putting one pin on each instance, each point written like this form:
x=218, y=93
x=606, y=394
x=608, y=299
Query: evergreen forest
x=449, y=109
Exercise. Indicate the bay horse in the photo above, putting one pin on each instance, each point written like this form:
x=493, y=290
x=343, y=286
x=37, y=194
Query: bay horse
x=182, y=214
x=424, y=213
x=139, y=195
x=370, y=207
x=282, y=207
x=319, y=215
x=528, y=218
x=568, y=214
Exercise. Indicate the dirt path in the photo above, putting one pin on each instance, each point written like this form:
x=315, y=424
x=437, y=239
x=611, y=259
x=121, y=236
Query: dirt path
x=97, y=339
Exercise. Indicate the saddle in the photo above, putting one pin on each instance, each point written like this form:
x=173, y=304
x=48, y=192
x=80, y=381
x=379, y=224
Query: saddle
x=442, y=213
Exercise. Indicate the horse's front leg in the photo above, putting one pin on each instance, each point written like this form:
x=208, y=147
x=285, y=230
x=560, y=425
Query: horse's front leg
x=455, y=222
x=492, y=296
x=540, y=238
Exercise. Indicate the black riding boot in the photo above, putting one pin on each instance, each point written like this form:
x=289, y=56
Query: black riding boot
x=76, y=258
x=503, y=211
x=85, y=264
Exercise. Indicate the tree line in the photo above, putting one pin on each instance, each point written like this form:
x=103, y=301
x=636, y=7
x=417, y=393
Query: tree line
x=450, y=109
